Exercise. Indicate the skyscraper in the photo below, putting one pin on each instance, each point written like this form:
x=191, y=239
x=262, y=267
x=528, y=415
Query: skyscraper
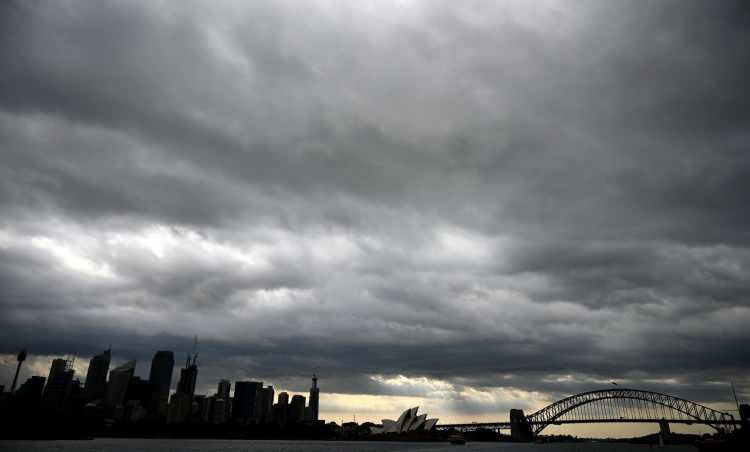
x=281, y=409
x=138, y=390
x=117, y=387
x=264, y=405
x=223, y=390
x=30, y=393
x=222, y=393
x=245, y=395
x=96, y=377
x=219, y=411
x=181, y=404
x=59, y=382
x=314, y=398
x=188, y=378
x=180, y=407
x=159, y=381
x=296, y=411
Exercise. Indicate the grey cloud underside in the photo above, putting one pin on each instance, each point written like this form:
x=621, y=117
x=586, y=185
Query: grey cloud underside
x=475, y=194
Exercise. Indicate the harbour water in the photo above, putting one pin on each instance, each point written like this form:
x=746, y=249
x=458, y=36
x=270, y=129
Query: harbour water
x=175, y=445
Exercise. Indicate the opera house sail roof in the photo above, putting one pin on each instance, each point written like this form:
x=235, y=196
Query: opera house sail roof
x=409, y=421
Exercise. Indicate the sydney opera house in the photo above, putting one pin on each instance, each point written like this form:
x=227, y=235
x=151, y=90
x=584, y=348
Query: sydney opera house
x=409, y=421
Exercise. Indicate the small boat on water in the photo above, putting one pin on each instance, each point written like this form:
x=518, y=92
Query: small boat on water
x=457, y=440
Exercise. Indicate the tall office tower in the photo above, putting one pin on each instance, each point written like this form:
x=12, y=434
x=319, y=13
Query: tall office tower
x=96, y=377
x=76, y=389
x=138, y=390
x=245, y=395
x=206, y=408
x=119, y=377
x=180, y=407
x=314, y=398
x=264, y=405
x=200, y=404
x=188, y=378
x=59, y=382
x=181, y=404
x=281, y=408
x=222, y=393
x=219, y=410
x=159, y=381
x=223, y=390
x=30, y=392
x=296, y=411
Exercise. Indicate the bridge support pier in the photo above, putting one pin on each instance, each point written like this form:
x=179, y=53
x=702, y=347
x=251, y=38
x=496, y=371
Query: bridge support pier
x=665, y=434
x=520, y=429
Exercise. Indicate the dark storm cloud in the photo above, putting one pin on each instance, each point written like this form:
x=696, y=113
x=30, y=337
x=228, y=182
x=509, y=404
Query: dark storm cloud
x=534, y=197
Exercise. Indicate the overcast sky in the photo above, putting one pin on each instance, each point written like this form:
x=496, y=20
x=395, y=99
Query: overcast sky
x=469, y=206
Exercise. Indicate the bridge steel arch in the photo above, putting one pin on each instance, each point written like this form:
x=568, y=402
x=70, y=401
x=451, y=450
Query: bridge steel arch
x=564, y=410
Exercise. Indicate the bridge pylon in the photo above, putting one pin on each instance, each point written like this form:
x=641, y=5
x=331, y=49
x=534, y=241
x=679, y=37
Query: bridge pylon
x=520, y=429
x=665, y=434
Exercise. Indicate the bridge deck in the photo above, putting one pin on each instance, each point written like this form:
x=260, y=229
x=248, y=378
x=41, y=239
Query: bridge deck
x=506, y=425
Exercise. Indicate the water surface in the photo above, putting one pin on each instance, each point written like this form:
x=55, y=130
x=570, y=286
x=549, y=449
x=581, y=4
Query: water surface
x=193, y=445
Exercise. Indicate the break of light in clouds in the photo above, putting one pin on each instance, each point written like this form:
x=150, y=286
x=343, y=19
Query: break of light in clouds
x=468, y=206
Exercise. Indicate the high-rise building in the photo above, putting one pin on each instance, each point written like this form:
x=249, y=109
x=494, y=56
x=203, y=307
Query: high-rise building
x=206, y=408
x=138, y=391
x=96, y=377
x=180, y=407
x=245, y=396
x=30, y=392
x=281, y=408
x=76, y=389
x=181, y=403
x=59, y=382
x=223, y=390
x=222, y=393
x=296, y=411
x=314, y=398
x=119, y=377
x=159, y=381
x=219, y=411
x=200, y=404
x=188, y=379
x=214, y=409
x=264, y=405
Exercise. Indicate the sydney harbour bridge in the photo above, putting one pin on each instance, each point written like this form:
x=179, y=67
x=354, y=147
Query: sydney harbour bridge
x=609, y=406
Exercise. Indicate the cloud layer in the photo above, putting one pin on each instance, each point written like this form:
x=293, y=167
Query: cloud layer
x=410, y=198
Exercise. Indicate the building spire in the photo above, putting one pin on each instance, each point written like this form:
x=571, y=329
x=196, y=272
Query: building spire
x=21, y=358
x=195, y=350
